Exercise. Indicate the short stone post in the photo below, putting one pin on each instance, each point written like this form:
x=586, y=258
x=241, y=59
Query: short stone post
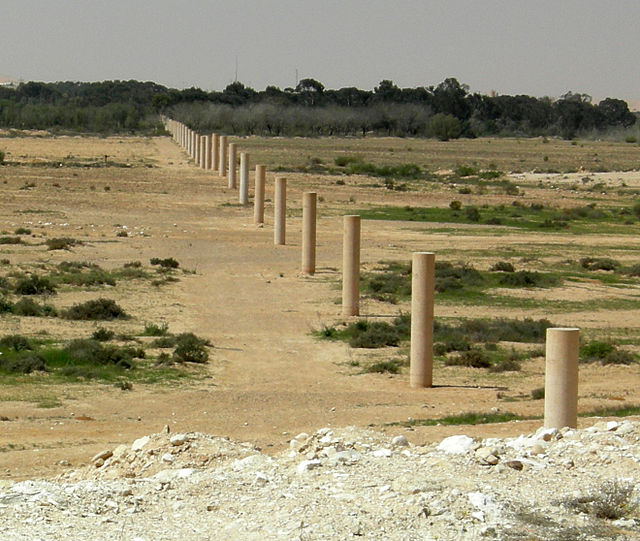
x=207, y=152
x=215, y=151
x=222, y=156
x=309, y=232
x=280, y=212
x=258, y=196
x=561, y=378
x=243, y=193
x=422, y=291
x=351, y=266
x=232, y=170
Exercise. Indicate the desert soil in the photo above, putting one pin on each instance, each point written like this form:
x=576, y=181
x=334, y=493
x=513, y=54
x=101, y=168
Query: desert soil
x=269, y=378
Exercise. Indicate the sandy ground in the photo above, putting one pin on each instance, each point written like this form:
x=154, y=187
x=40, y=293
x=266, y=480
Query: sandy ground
x=268, y=375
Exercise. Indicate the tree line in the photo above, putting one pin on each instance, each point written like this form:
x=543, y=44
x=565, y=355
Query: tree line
x=447, y=110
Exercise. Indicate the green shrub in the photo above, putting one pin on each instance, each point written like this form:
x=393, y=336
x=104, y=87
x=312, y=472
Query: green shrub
x=503, y=266
x=92, y=352
x=374, y=334
x=599, y=263
x=34, y=285
x=16, y=342
x=465, y=171
x=595, y=351
x=612, y=500
x=28, y=307
x=10, y=240
x=168, y=263
x=510, y=364
x=392, y=366
x=155, y=329
x=165, y=342
x=102, y=335
x=537, y=394
x=61, y=243
x=527, y=279
x=24, y=362
x=190, y=349
x=22, y=231
x=473, y=358
x=619, y=357
x=455, y=205
x=472, y=214
x=99, y=309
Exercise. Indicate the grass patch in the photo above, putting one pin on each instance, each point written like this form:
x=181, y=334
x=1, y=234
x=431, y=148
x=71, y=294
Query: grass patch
x=10, y=240
x=34, y=285
x=605, y=353
x=155, y=329
x=471, y=418
x=612, y=500
x=533, y=217
x=391, y=366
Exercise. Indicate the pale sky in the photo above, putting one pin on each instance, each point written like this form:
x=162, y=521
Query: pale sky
x=535, y=47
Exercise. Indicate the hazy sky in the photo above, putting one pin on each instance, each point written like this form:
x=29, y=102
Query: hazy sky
x=536, y=47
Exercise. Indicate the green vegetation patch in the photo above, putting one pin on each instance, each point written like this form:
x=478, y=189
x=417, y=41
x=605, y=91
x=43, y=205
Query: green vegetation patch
x=533, y=217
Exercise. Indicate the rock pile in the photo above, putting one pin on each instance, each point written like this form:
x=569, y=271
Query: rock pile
x=341, y=483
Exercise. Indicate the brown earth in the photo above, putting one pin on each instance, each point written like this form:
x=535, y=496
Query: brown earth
x=268, y=375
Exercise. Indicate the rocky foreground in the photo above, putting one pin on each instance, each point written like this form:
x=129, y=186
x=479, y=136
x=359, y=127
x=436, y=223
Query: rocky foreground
x=341, y=483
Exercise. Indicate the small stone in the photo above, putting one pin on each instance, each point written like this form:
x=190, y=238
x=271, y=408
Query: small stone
x=168, y=458
x=139, y=444
x=307, y=465
x=382, y=453
x=456, y=445
x=547, y=434
x=537, y=450
x=103, y=455
x=261, y=479
x=178, y=439
x=515, y=464
x=400, y=441
x=98, y=463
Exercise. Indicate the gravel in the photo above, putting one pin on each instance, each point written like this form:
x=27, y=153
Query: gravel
x=341, y=483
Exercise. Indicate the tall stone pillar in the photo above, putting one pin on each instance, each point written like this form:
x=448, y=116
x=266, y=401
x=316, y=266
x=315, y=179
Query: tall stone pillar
x=280, y=212
x=422, y=291
x=243, y=193
x=222, y=156
x=561, y=378
x=258, y=197
x=215, y=151
x=351, y=266
x=232, y=165
x=207, y=152
x=309, y=232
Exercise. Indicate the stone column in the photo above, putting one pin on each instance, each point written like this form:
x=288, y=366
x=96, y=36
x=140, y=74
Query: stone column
x=351, y=266
x=207, y=152
x=243, y=194
x=561, y=378
x=232, y=165
x=258, y=196
x=309, y=232
x=422, y=290
x=222, y=156
x=280, y=211
x=215, y=151
x=192, y=151
x=203, y=151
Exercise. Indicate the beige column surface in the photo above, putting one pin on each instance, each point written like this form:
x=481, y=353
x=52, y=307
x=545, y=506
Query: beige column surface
x=215, y=151
x=561, y=378
x=243, y=191
x=280, y=212
x=351, y=266
x=232, y=170
x=422, y=291
x=258, y=196
x=222, y=155
x=309, y=200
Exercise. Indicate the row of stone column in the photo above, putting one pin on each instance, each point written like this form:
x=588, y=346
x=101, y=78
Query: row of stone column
x=561, y=372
